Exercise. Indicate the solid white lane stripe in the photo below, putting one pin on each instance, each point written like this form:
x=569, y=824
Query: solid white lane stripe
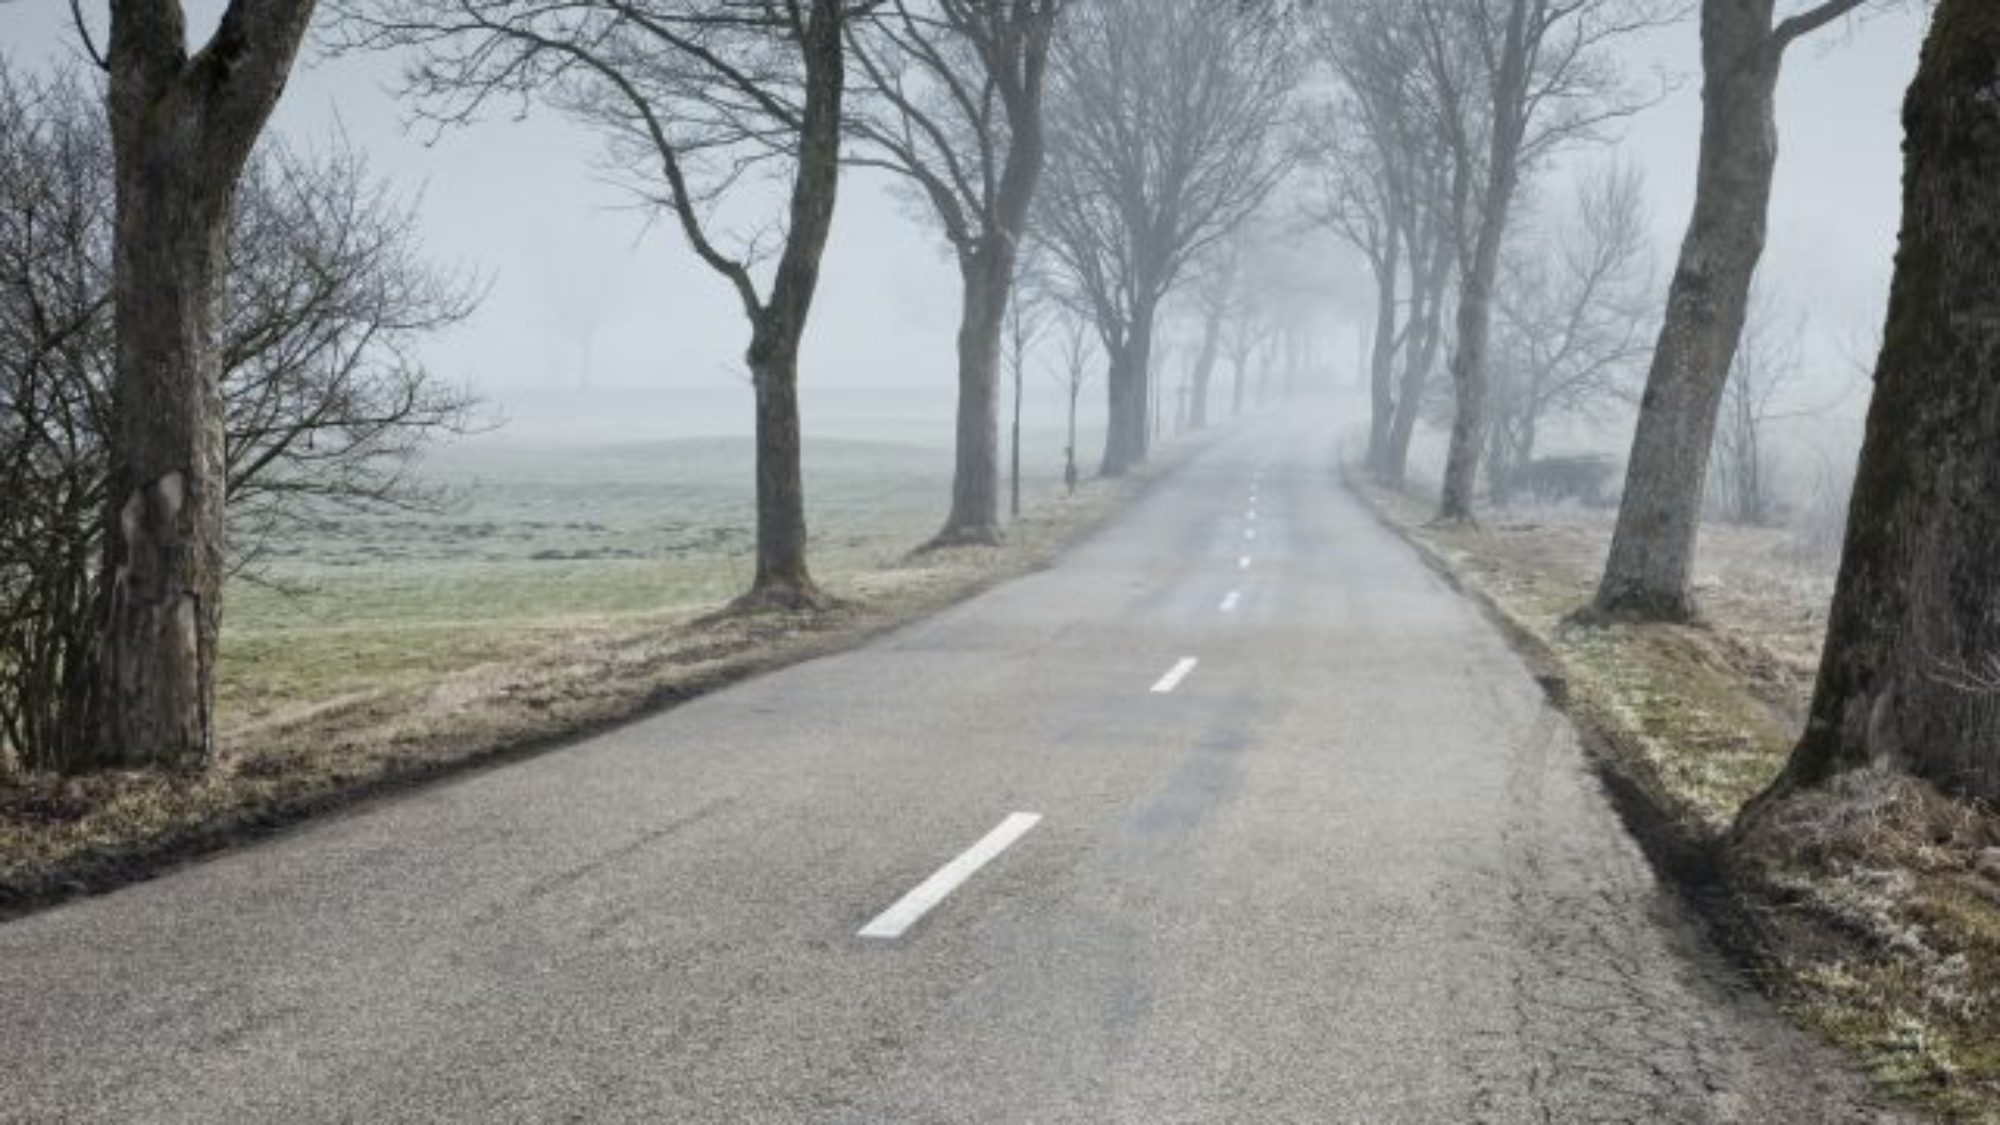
x=892, y=922
x=1229, y=603
x=1175, y=675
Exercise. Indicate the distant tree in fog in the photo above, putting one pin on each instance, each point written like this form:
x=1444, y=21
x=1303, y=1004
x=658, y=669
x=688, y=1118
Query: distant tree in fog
x=949, y=96
x=1649, y=574
x=1576, y=312
x=1513, y=82
x=1379, y=160
x=1216, y=295
x=323, y=294
x=1164, y=120
x=1767, y=365
x=1247, y=340
x=1073, y=354
x=696, y=98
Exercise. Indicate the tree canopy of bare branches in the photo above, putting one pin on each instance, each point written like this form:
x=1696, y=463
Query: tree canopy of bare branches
x=1576, y=311
x=950, y=99
x=183, y=123
x=1650, y=571
x=1513, y=82
x=1165, y=125
x=694, y=98
x=322, y=403
x=1385, y=185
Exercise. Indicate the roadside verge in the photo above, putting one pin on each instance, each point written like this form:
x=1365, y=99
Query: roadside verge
x=61, y=838
x=1870, y=913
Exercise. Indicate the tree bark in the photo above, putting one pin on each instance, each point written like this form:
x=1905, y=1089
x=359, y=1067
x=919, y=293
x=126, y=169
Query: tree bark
x=182, y=129
x=1430, y=249
x=1910, y=674
x=1382, y=357
x=1649, y=573
x=783, y=581
x=1475, y=301
x=1469, y=378
x=987, y=276
x=1128, y=387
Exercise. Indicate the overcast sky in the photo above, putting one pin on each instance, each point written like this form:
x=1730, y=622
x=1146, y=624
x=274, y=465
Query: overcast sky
x=521, y=202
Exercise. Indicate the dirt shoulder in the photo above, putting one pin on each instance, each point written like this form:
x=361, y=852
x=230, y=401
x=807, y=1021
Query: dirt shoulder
x=65, y=837
x=1871, y=912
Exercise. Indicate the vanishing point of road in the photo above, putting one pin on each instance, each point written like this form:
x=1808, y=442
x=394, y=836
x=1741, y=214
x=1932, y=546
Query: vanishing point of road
x=1234, y=814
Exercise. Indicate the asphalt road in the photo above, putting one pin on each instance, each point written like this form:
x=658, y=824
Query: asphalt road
x=1346, y=866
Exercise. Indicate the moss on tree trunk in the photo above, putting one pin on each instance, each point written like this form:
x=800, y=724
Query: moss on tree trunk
x=1910, y=676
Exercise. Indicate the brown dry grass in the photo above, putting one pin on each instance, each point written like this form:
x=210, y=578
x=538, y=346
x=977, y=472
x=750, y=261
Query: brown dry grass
x=1871, y=908
x=292, y=750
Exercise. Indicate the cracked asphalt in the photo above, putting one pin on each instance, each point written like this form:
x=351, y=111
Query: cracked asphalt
x=1350, y=868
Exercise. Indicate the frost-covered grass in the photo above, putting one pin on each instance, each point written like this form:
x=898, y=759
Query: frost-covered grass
x=1875, y=904
x=564, y=589
x=538, y=541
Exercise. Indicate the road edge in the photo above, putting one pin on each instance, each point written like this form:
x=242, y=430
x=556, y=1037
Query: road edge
x=94, y=871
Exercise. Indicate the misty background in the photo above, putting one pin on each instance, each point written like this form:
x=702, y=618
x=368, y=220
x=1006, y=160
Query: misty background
x=599, y=326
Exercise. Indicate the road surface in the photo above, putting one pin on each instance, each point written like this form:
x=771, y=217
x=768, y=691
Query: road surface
x=1236, y=814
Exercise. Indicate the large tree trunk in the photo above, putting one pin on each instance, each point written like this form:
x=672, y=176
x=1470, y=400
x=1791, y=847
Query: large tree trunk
x=1649, y=574
x=164, y=556
x=975, y=484
x=182, y=128
x=1128, y=387
x=783, y=581
x=1911, y=670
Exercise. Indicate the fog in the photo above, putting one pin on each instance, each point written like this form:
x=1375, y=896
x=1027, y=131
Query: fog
x=593, y=301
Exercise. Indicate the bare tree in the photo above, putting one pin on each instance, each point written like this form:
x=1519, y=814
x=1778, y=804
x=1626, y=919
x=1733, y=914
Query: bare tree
x=1164, y=129
x=1575, y=314
x=1073, y=351
x=1910, y=673
x=952, y=100
x=1515, y=81
x=182, y=126
x=1026, y=320
x=1766, y=365
x=321, y=405
x=1362, y=142
x=703, y=95
x=1649, y=573
x=1245, y=337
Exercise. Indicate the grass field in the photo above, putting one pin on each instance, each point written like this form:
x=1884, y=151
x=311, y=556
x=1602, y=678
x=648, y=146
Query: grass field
x=561, y=588
x=540, y=538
